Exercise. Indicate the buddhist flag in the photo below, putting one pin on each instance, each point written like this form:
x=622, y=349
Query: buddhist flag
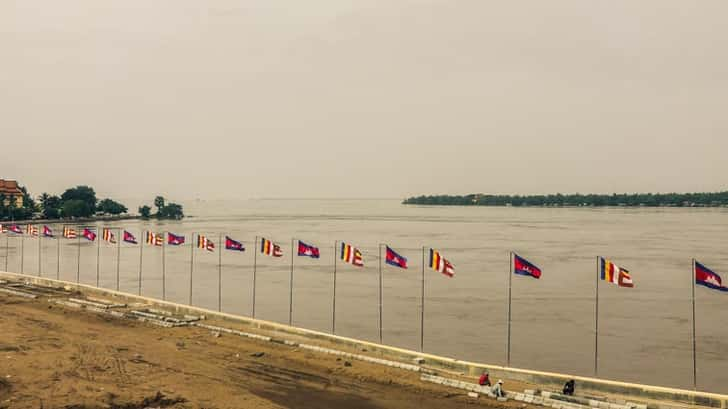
x=305, y=250
x=231, y=244
x=69, y=233
x=438, y=263
x=47, y=232
x=31, y=230
x=614, y=274
x=707, y=278
x=89, y=234
x=523, y=267
x=269, y=248
x=3, y=228
x=205, y=243
x=351, y=255
x=154, y=239
x=394, y=259
x=108, y=236
x=16, y=229
x=129, y=238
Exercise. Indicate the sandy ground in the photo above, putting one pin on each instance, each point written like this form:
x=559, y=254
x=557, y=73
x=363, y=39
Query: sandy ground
x=56, y=357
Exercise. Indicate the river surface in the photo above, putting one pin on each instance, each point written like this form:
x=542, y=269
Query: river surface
x=645, y=333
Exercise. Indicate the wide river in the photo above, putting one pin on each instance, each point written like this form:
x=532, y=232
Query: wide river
x=645, y=333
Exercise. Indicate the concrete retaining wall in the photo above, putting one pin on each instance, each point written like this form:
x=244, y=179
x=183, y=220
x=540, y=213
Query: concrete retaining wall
x=543, y=379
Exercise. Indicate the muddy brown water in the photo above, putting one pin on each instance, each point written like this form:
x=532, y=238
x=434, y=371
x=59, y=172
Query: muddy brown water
x=645, y=333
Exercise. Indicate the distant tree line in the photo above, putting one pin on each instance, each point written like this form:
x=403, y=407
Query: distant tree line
x=594, y=200
x=79, y=201
x=165, y=210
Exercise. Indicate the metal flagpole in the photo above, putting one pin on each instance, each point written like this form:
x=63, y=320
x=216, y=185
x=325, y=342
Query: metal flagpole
x=255, y=268
x=333, y=309
x=40, y=247
x=380, y=293
x=58, y=258
x=290, y=287
x=7, y=250
x=219, y=274
x=78, y=259
x=596, y=323
x=98, y=257
x=422, y=305
x=192, y=262
x=695, y=358
x=510, y=293
x=118, y=257
x=22, y=253
x=164, y=266
x=141, y=259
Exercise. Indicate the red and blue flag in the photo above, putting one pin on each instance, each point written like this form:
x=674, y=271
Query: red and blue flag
x=306, y=250
x=89, y=234
x=707, y=278
x=175, y=240
x=231, y=244
x=47, y=232
x=524, y=267
x=394, y=259
x=129, y=238
x=16, y=229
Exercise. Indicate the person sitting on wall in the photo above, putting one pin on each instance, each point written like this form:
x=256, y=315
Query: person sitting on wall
x=498, y=389
x=484, y=379
x=569, y=388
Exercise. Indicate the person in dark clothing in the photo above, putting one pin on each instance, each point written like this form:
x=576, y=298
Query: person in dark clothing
x=569, y=388
x=484, y=379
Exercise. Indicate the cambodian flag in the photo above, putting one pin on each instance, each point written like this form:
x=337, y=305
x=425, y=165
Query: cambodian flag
x=394, y=259
x=129, y=238
x=175, y=240
x=231, y=244
x=16, y=229
x=47, y=232
x=307, y=250
x=89, y=234
x=706, y=277
x=524, y=267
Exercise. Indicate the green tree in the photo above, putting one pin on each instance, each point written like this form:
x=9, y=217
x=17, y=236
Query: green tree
x=76, y=208
x=171, y=211
x=159, y=203
x=85, y=194
x=50, y=206
x=111, y=207
x=145, y=211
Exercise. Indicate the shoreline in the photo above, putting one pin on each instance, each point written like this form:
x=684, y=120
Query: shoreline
x=73, y=221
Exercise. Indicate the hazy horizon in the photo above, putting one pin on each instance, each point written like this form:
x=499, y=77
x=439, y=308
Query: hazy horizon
x=363, y=99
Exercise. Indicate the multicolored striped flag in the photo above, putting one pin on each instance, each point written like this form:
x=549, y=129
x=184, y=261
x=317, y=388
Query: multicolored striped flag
x=154, y=239
x=439, y=264
x=108, y=236
x=394, y=259
x=707, y=278
x=306, y=250
x=89, y=234
x=351, y=255
x=69, y=232
x=47, y=232
x=269, y=248
x=175, y=240
x=205, y=243
x=129, y=238
x=231, y=244
x=614, y=274
x=31, y=230
x=3, y=228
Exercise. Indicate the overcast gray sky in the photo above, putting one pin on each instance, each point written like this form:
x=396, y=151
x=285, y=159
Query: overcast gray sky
x=368, y=98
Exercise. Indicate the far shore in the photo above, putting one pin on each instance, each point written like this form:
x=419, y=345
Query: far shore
x=75, y=220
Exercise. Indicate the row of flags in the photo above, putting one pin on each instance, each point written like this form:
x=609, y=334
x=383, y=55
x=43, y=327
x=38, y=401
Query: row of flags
x=608, y=271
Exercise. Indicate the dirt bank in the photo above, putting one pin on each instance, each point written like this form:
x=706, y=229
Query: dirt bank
x=58, y=357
